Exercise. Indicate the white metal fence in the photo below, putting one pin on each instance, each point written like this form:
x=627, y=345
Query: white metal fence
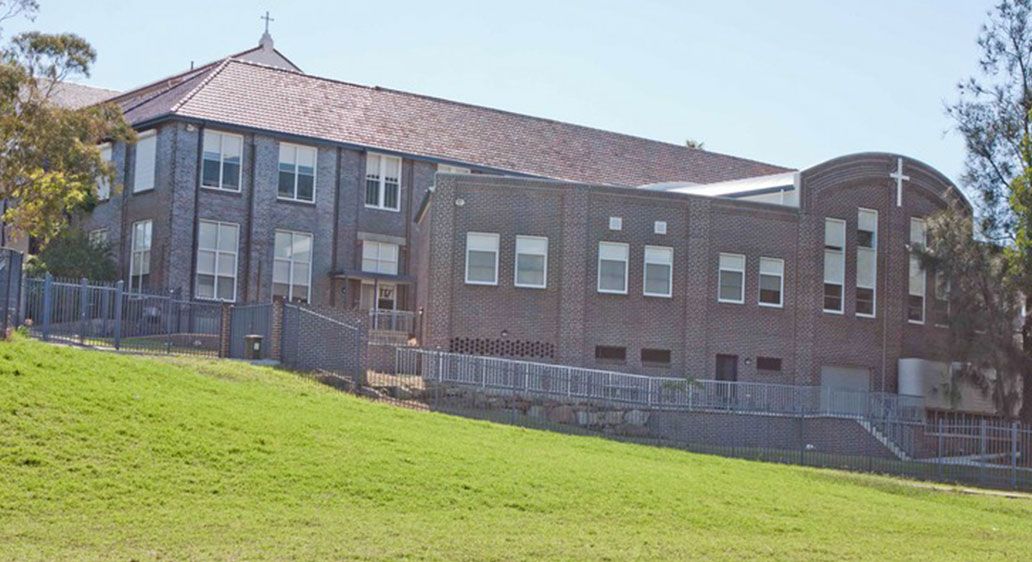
x=658, y=393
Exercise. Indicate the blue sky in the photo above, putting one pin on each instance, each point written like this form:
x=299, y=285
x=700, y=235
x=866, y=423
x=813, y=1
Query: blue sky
x=792, y=82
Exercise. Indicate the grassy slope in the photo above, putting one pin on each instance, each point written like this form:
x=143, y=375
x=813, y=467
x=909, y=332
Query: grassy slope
x=106, y=456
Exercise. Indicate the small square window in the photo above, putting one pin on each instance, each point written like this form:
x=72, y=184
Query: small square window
x=615, y=223
x=655, y=357
x=610, y=353
x=659, y=227
x=768, y=364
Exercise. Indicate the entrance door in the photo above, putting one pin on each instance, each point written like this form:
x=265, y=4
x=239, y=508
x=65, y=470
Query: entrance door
x=727, y=374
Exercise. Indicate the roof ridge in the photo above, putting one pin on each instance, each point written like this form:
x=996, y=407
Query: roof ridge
x=508, y=112
x=175, y=107
x=159, y=92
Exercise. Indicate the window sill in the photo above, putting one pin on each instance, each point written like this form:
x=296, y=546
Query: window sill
x=537, y=287
x=206, y=299
x=377, y=208
x=482, y=283
x=604, y=292
x=658, y=296
x=222, y=190
x=834, y=312
x=142, y=191
x=915, y=322
x=771, y=305
x=290, y=201
x=869, y=316
x=724, y=301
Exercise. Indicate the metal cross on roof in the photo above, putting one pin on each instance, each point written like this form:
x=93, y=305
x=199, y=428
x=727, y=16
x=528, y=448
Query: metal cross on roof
x=900, y=178
x=267, y=20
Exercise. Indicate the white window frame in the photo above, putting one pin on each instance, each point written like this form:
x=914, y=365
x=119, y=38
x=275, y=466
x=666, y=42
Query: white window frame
x=721, y=269
x=659, y=227
x=297, y=148
x=373, y=252
x=497, y=249
x=915, y=261
x=382, y=188
x=645, y=271
x=219, y=256
x=291, y=261
x=615, y=223
x=140, y=185
x=222, y=161
x=873, y=250
x=528, y=252
x=840, y=255
x=103, y=185
x=781, y=282
x=135, y=255
x=626, y=262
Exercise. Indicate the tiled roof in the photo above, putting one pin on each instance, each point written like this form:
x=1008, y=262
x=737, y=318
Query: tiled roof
x=252, y=95
x=74, y=96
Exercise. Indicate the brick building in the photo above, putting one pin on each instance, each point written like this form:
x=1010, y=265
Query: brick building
x=252, y=179
x=800, y=277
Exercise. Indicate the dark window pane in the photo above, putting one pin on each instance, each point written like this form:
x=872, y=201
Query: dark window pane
x=731, y=285
x=832, y=297
x=305, y=187
x=655, y=356
x=210, y=173
x=230, y=175
x=770, y=289
x=768, y=364
x=610, y=353
x=864, y=301
x=286, y=184
x=915, y=308
x=390, y=195
x=865, y=239
x=372, y=192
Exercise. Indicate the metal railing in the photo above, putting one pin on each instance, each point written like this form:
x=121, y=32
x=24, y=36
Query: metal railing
x=402, y=321
x=657, y=393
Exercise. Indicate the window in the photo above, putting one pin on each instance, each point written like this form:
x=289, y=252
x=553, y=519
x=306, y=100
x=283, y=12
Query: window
x=731, y=278
x=383, y=182
x=655, y=357
x=449, y=169
x=98, y=236
x=292, y=266
x=220, y=166
x=610, y=353
x=768, y=364
x=481, y=258
x=916, y=297
x=612, y=267
x=379, y=257
x=140, y=254
x=615, y=223
x=531, y=262
x=143, y=171
x=659, y=271
x=866, y=261
x=834, y=264
x=103, y=184
x=216, y=260
x=296, y=172
x=772, y=281
x=659, y=227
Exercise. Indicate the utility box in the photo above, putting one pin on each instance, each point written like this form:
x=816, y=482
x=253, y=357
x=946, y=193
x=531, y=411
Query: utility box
x=253, y=346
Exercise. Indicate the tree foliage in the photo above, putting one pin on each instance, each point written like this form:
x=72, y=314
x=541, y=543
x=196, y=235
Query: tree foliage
x=73, y=255
x=983, y=308
x=49, y=161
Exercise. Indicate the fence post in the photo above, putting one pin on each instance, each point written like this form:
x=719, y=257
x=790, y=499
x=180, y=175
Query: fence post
x=48, y=303
x=981, y=451
x=939, y=457
x=84, y=298
x=1014, y=455
x=118, y=313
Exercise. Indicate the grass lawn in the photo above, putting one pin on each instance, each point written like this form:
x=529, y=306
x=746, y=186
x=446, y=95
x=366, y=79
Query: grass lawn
x=116, y=457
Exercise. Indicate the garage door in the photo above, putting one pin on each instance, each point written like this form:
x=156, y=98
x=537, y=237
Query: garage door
x=843, y=389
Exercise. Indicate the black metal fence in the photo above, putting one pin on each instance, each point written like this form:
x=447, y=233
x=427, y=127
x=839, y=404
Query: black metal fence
x=248, y=321
x=106, y=315
x=717, y=417
x=10, y=289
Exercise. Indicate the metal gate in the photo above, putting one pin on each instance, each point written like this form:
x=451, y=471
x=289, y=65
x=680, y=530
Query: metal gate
x=251, y=319
x=10, y=289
